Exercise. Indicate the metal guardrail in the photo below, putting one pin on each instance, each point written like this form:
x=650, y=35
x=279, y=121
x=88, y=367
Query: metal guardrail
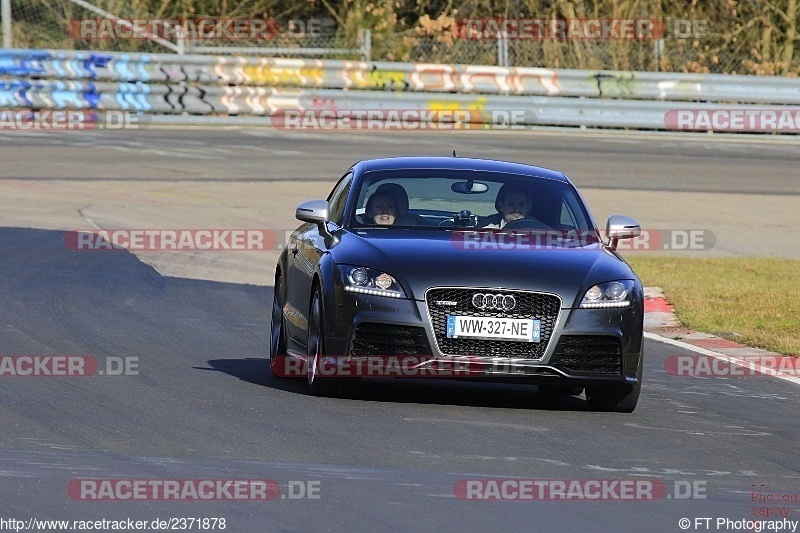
x=203, y=85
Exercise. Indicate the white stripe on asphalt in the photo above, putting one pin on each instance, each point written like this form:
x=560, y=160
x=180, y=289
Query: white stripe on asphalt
x=729, y=358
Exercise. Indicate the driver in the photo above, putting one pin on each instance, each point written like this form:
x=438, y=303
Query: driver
x=513, y=203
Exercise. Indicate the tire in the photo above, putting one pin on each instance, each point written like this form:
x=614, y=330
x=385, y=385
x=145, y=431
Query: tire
x=277, y=341
x=612, y=400
x=317, y=385
x=616, y=400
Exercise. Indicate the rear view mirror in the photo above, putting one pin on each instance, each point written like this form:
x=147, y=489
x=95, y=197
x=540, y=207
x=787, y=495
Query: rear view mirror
x=469, y=187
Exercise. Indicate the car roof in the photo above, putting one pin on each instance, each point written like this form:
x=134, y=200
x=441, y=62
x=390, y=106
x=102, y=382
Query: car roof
x=460, y=163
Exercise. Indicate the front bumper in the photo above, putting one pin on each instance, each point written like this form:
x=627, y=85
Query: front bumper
x=586, y=346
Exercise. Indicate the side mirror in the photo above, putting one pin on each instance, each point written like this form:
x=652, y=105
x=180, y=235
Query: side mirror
x=313, y=211
x=317, y=212
x=621, y=227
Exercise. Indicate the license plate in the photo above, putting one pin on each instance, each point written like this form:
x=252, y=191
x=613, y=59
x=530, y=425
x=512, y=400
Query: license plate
x=497, y=329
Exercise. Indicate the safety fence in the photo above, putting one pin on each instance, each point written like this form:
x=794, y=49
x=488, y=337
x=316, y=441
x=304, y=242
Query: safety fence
x=226, y=85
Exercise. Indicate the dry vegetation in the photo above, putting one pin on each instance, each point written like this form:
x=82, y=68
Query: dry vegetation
x=744, y=37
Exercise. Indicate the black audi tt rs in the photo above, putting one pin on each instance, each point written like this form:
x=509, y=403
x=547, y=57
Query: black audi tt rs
x=457, y=267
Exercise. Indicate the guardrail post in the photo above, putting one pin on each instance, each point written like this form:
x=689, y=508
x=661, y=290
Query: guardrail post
x=181, y=45
x=365, y=44
x=502, y=49
x=658, y=52
x=5, y=14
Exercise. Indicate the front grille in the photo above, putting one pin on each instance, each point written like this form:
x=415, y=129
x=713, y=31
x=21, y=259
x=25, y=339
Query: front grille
x=545, y=307
x=588, y=354
x=388, y=339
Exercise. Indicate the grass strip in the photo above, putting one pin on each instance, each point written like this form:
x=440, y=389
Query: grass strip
x=754, y=301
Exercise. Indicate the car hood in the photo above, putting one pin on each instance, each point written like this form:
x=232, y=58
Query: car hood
x=421, y=259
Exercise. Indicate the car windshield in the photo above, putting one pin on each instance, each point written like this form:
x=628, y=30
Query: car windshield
x=452, y=199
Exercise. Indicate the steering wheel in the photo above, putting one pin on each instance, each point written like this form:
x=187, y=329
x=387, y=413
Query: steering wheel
x=528, y=223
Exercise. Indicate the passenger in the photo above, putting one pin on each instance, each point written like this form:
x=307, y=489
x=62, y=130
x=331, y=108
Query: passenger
x=381, y=209
x=388, y=205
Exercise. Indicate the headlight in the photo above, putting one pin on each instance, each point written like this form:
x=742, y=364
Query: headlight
x=370, y=281
x=609, y=294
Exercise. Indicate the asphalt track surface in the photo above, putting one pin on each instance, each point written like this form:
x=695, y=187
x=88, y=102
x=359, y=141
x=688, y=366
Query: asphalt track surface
x=696, y=163
x=203, y=406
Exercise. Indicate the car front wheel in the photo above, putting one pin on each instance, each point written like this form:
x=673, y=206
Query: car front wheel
x=316, y=356
x=277, y=343
x=619, y=401
x=616, y=400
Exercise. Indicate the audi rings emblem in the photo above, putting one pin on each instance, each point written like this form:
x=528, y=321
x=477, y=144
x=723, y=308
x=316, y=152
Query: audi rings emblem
x=500, y=302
